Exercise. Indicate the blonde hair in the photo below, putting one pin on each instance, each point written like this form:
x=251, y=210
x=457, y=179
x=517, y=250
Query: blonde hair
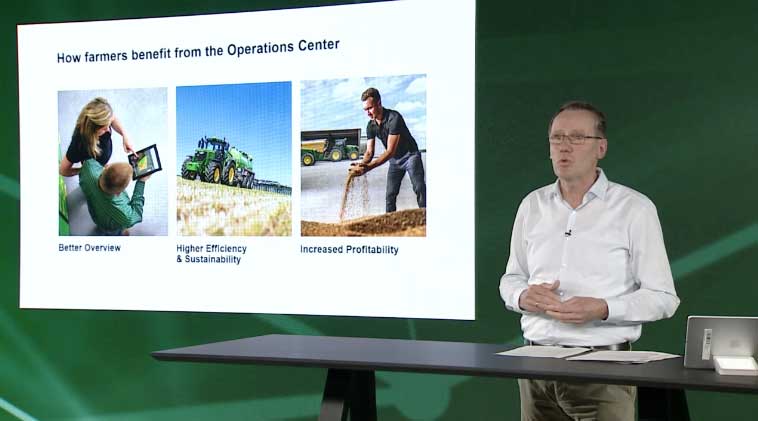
x=116, y=177
x=94, y=116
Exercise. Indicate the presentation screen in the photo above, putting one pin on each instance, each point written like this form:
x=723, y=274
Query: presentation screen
x=308, y=161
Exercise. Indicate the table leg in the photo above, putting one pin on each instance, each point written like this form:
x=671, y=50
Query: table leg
x=349, y=394
x=655, y=404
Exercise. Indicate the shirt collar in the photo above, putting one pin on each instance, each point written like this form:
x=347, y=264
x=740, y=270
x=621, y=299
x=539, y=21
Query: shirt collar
x=599, y=188
x=384, y=117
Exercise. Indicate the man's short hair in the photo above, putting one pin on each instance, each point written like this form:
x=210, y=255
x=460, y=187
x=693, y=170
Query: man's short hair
x=116, y=177
x=584, y=106
x=371, y=93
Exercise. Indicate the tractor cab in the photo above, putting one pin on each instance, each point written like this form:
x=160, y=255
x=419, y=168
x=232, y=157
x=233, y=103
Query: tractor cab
x=216, y=144
x=219, y=147
x=337, y=143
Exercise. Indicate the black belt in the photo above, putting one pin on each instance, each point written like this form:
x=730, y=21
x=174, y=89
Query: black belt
x=624, y=346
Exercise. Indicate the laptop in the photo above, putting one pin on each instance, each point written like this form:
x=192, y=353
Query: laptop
x=721, y=336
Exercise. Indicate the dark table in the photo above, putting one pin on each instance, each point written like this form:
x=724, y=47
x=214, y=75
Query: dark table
x=351, y=362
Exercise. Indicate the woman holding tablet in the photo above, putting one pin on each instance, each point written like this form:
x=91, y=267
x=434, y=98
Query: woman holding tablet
x=92, y=137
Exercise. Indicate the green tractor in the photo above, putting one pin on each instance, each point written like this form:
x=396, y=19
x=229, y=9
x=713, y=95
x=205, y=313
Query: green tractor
x=217, y=162
x=328, y=149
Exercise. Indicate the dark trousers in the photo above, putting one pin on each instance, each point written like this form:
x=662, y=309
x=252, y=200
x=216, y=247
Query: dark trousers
x=412, y=164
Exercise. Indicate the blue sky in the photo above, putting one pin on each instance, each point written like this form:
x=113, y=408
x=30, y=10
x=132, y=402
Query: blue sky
x=336, y=103
x=256, y=118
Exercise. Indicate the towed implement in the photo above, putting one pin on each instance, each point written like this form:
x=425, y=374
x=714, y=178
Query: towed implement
x=328, y=149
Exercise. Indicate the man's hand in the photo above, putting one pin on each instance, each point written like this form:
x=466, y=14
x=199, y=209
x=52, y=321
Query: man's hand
x=536, y=298
x=358, y=169
x=578, y=310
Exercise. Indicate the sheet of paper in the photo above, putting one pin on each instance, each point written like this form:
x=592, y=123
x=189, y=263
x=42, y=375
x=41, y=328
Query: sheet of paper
x=633, y=357
x=543, y=351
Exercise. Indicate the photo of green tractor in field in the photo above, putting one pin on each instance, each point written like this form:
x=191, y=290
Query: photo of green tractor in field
x=328, y=149
x=215, y=161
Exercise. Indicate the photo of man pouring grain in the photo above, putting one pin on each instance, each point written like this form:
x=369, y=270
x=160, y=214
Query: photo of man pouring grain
x=382, y=191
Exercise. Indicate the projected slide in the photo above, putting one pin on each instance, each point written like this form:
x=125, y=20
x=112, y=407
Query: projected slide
x=307, y=161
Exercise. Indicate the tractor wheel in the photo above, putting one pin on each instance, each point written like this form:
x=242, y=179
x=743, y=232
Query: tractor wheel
x=213, y=173
x=229, y=174
x=187, y=174
x=353, y=155
x=308, y=159
x=335, y=155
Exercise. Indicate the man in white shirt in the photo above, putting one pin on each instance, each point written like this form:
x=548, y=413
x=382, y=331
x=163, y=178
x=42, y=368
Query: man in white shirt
x=587, y=267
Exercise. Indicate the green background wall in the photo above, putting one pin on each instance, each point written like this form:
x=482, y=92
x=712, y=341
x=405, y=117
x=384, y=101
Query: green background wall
x=678, y=81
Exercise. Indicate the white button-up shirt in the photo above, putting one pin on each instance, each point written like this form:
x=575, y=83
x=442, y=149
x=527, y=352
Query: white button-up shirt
x=609, y=247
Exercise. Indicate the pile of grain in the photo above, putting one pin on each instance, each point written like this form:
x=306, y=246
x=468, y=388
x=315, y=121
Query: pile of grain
x=404, y=223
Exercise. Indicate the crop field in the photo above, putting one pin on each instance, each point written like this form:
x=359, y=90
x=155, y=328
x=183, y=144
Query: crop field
x=215, y=209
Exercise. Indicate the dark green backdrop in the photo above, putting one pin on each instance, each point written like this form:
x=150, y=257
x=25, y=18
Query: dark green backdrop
x=678, y=81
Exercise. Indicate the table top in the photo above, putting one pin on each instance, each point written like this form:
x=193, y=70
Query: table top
x=459, y=358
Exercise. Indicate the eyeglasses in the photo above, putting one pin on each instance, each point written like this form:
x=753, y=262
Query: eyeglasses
x=574, y=139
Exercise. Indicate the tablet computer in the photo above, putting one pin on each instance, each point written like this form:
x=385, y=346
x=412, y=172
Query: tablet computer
x=721, y=336
x=145, y=162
